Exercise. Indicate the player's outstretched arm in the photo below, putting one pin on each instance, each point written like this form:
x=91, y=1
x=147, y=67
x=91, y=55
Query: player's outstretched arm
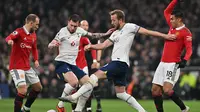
x=168, y=11
x=156, y=34
x=100, y=35
x=53, y=43
x=99, y=46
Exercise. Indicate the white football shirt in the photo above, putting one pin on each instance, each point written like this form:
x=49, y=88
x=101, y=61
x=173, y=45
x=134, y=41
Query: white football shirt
x=68, y=50
x=122, y=40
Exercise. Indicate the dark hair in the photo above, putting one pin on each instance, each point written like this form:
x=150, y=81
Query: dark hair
x=178, y=14
x=120, y=14
x=31, y=17
x=74, y=18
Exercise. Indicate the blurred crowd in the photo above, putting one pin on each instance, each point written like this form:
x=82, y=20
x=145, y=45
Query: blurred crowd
x=145, y=52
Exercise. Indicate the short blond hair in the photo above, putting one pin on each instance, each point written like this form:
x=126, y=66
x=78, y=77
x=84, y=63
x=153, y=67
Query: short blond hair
x=120, y=14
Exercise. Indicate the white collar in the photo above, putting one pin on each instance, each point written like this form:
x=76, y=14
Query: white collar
x=179, y=28
x=26, y=31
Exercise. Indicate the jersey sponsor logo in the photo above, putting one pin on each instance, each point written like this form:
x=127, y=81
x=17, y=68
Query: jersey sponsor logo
x=23, y=45
x=15, y=33
x=73, y=43
x=25, y=38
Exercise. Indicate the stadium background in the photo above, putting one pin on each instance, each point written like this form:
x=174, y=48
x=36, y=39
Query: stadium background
x=145, y=53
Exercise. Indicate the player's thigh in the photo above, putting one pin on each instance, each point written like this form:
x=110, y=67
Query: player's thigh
x=113, y=68
x=19, y=80
x=18, y=77
x=78, y=72
x=119, y=89
x=61, y=69
x=71, y=78
x=32, y=77
x=159, y=75
x=172, y=73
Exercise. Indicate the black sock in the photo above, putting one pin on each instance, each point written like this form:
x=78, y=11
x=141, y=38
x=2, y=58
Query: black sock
x=176, y=99
x=89, y=102
x=31, y=98
x=18, y=102
x=158, y=101
x=97, y=96
x=73, y=106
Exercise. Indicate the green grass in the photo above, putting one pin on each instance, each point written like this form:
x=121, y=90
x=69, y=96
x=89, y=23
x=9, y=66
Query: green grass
x=42, y=105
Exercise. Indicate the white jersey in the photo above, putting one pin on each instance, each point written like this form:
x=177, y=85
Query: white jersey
x=68, y=50
x=122, y=39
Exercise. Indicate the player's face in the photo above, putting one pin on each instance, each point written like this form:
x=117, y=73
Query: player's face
x=84, y=25
x=72, y=26
x=173, y=21
x=115, y=21
x=35, y=25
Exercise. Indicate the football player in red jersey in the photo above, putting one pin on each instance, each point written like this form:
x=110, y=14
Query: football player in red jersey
x=24, y=41
x=168, y=71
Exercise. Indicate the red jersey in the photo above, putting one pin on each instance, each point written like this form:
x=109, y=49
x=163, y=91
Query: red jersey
x=173, y=49
x=24, y=44
x=81, y=60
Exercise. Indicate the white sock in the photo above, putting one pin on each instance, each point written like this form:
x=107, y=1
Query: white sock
x=131, y=101
x=26, y=108
x=67, y=90
x=86, y=87
x=82, y=100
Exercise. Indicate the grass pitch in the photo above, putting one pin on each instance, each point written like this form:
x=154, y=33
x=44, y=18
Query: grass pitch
x=108, y=105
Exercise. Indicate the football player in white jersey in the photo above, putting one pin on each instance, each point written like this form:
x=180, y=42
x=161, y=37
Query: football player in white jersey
x=67, y=41
x=122, y=39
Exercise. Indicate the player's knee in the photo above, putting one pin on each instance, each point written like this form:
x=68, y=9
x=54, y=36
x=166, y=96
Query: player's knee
x=93, y=80
x=22, y=89
x=156, y=91
x=122, y=96
x=168, y=91
x=73, y=83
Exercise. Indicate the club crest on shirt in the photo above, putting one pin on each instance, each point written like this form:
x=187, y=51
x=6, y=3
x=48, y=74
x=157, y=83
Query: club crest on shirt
x=177, y=33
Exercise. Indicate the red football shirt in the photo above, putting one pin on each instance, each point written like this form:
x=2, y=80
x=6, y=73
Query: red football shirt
x=24, y=44
x=81, y=60
x=173, y=49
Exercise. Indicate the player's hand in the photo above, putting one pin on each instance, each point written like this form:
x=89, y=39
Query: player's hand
x=36, y=64
x=54, y=43
x=182, y=63
x=171, y=37
x=10, y=42
x=87, y=47
x=95, y=65
x=110, y=31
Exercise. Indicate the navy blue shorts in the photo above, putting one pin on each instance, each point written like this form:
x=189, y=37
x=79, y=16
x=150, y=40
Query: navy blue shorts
x=116, y=71
x=63, y=67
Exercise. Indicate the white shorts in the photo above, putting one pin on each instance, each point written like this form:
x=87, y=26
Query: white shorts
x=85, y=69
x=166, y=72
x=21, y=77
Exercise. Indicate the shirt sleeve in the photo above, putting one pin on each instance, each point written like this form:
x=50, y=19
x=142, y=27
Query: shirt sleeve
x=81, y=31
x=60, y=35
x=113, y=38
x=188, y=45
x=35, y=50
x=12, y=36
x=134, y=28
x=168, y=11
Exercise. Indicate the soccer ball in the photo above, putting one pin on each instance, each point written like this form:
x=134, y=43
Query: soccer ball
x=51, y=110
